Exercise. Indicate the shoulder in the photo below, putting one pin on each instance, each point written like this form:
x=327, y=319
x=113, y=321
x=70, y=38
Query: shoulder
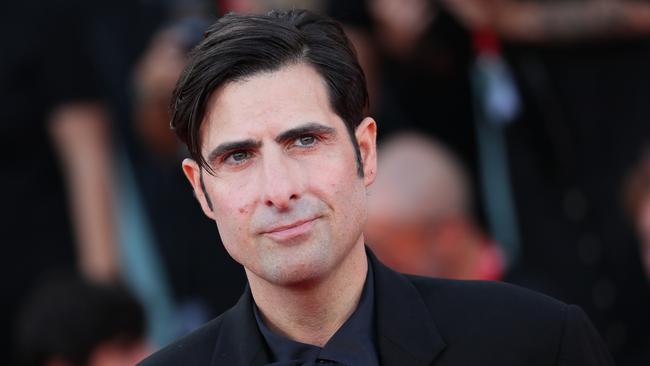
x=488, y=301
x=494, y=313
x=488, y=295
x=199, y=344
x=491, y=318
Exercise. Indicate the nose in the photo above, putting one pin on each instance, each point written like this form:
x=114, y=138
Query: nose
x=281, y=180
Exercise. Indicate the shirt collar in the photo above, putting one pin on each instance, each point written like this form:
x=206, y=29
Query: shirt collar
x=352, y=344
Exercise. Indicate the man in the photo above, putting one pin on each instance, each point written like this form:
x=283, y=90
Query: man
x=272, y=110
x=419, y=214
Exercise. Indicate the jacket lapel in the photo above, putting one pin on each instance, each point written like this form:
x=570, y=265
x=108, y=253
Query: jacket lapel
x=239, y=341
x=406, y=333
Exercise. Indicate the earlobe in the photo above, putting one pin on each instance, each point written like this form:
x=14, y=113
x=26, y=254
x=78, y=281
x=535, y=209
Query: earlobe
x=195, y=177
x=366, y=134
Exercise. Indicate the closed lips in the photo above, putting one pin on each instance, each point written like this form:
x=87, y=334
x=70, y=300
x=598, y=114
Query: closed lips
x=287, y=227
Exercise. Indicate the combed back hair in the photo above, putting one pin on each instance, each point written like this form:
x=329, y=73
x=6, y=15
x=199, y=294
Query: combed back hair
x=239, y=46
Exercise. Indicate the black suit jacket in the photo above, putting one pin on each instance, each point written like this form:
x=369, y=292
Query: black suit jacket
x=423, y=321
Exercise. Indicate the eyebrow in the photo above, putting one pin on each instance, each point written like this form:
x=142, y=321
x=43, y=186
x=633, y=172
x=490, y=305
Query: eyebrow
x=291, y=134
x=307, y=128
x=233, y=146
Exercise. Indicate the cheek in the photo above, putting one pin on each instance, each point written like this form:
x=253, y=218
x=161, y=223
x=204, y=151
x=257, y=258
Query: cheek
x=232, y=194
x=333, y=176
x=338, y=184
x=233, y=207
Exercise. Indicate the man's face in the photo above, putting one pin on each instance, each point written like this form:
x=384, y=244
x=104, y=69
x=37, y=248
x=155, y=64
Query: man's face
x=285, y=193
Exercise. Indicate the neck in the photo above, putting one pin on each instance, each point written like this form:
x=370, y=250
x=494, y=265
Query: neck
x=313, y=313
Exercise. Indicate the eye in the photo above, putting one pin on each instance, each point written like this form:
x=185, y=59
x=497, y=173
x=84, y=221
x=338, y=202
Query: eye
x=305, y=141
x=237, y=157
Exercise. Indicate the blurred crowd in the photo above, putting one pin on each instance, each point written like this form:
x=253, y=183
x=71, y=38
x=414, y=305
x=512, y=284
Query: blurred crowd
x=514, y=144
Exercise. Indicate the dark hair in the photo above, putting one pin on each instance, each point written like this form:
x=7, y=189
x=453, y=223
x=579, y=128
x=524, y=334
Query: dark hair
x=69, y=317
x=238, y=46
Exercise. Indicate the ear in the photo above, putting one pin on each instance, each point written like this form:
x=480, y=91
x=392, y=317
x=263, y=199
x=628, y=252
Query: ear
x=366, y=134
x=193, y=173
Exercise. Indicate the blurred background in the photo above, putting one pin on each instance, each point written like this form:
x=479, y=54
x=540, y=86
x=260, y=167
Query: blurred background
x=513, y=146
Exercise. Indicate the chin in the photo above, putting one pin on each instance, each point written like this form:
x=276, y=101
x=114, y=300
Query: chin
x=295, y=269
x=295, y=280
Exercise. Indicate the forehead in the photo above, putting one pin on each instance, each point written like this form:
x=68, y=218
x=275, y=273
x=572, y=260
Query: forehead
x=265, y=102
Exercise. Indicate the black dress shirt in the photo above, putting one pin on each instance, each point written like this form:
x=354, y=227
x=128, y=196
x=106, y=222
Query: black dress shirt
x=353, y=344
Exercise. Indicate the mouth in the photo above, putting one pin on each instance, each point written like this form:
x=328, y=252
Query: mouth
x=290, y=231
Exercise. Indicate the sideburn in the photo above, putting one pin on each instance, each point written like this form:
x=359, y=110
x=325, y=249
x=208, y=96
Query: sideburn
x=205, y=193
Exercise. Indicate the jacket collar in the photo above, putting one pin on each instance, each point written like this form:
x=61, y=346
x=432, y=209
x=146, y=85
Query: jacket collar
x=406, y=333
x=240, y=341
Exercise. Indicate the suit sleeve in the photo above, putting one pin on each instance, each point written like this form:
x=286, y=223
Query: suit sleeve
x=581, y=345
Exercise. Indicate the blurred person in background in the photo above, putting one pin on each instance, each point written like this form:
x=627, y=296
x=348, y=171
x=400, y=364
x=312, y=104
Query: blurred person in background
x=419, y=213
x=68, y=321
x=637, y=202
x=555, y=21
x=424, y=56
x=636, y=198
x=359, y=27
x=56, y=191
